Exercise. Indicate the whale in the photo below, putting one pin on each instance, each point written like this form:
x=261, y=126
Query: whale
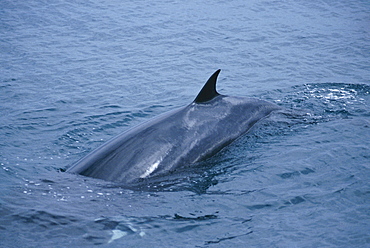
x=176, y=139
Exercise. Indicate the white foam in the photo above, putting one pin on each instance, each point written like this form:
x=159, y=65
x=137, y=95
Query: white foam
x=150, y=169
x=117, y=234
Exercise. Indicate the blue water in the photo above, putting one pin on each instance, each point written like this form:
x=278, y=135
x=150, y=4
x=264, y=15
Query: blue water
x=75, y=73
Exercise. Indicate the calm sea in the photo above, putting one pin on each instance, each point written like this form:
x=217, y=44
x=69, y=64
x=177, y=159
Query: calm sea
x=74, y=74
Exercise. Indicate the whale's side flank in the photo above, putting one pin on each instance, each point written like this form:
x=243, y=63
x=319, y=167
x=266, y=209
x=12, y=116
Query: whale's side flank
x=181, y=137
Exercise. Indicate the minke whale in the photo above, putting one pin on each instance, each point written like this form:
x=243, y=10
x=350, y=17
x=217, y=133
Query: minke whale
x=178, y=138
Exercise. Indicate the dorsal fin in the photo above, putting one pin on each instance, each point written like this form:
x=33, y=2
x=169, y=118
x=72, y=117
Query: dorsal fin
x=208, y=92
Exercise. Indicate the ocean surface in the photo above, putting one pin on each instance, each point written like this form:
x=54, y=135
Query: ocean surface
x=74, y=74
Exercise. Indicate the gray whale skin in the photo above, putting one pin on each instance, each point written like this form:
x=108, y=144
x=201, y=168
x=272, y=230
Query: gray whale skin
x=178, y=138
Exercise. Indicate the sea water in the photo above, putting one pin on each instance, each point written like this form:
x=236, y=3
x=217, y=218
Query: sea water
x=74, y=74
